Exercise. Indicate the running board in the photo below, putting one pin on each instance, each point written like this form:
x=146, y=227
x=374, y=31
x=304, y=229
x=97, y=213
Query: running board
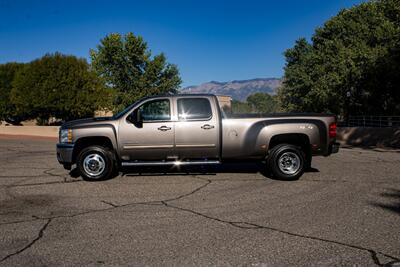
x=167, y=163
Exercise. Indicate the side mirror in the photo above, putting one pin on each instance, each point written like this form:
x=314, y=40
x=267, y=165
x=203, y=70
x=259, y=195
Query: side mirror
x=136, y=118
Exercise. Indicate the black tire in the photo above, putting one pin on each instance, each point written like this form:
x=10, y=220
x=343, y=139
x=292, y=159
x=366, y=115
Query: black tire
x=293, y=159
x=102, y=156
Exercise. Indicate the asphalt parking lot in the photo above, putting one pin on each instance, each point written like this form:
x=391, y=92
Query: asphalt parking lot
x=344, y=212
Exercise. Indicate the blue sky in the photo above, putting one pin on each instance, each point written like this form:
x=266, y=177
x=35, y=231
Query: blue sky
x=208, y=40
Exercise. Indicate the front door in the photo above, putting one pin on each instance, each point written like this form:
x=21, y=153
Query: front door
x=153, y=139
x=196, y=131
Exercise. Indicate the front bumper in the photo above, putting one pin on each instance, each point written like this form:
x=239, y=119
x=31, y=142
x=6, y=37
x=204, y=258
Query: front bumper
x=64, y=153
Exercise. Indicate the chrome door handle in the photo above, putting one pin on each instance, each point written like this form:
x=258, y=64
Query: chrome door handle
x=207, y=127
x=164, y=128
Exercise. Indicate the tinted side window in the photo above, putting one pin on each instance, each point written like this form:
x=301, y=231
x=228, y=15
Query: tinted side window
x=194, y=109
x=156, y=110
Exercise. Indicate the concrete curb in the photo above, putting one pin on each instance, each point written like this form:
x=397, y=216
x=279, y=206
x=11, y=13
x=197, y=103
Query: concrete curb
x=27, y=137
x=41, y=131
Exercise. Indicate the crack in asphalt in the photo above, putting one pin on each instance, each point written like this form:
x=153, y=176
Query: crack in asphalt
x=65, y=177
x=249, y=225
x=46, y=172
x=46, y=183
x=110, y=203
x=238, y=224
x=207, y=182
x=31, y=243
x=113, y=206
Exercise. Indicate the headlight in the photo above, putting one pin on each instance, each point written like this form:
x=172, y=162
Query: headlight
x=65, y=136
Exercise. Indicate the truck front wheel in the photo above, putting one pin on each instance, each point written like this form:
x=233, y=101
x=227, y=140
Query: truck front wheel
x=286, y=162
x=95, y=163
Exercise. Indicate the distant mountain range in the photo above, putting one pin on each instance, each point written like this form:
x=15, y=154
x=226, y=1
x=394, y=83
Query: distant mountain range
x=238, y=90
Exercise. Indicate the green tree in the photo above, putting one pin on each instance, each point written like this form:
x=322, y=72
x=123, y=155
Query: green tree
x=126, y=64
x=351, y=65
x=293, y=95
x=262, y=103
x=58, y=86
x=240, y=107
x=7, y=109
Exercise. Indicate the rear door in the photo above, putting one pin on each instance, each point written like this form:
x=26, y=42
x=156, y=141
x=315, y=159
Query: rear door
x=196, y=128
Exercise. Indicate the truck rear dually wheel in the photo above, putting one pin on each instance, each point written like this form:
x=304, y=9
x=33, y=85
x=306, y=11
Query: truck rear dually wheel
x=95, y=163
x=286, y=162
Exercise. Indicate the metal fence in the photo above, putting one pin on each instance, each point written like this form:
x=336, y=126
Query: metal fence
x=371, y=121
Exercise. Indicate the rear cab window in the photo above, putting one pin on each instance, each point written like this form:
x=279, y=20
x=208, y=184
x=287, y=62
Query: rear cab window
x=195, y=108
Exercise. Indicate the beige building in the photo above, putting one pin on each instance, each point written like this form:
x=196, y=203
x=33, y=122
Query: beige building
x=225, y=102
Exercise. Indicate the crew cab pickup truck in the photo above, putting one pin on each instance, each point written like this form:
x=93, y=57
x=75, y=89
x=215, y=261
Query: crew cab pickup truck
x=194, y=130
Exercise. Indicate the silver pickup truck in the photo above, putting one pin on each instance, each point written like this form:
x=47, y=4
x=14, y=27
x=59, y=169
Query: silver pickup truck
x=194, y=130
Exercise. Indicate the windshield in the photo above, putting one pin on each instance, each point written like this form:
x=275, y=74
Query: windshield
x=126, y=110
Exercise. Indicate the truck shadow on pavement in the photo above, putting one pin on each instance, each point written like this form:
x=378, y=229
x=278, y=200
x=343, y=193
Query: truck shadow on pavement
x=201, y=170
x=241, y=167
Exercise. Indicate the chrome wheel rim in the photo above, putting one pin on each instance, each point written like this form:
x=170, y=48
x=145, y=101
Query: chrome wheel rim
x=289, y=163
x=94, y=165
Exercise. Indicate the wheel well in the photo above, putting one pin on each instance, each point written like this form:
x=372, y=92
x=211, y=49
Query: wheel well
x=84, y=142
x=300, y=140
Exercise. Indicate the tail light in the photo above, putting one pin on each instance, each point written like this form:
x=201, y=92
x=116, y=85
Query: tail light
x=332, y=130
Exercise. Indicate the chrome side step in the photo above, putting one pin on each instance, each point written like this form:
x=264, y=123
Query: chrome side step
x=167, y=163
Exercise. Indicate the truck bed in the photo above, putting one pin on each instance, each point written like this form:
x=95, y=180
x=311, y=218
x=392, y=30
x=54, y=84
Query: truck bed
x=274, y=115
